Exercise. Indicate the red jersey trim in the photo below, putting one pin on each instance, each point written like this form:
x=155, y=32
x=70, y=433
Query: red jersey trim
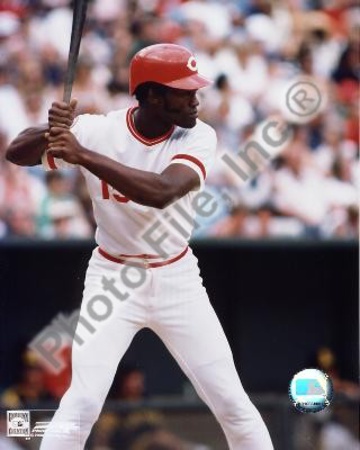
x=138, y=136
x=193, y=160
x=51, y=161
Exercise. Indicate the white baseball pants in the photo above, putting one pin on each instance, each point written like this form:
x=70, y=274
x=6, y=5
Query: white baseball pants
x=171, y=301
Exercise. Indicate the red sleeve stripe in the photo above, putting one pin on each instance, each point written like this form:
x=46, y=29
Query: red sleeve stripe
x=193, y=160
x=51, y=161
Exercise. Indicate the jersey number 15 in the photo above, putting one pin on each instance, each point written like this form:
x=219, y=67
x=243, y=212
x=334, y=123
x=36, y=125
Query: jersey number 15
x=106, y=194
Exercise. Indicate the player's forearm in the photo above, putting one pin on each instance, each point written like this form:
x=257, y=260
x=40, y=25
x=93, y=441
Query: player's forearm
x=28, y=147
x=146, y=188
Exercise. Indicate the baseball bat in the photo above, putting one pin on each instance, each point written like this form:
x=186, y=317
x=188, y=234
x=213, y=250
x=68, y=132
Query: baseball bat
x=79, y=15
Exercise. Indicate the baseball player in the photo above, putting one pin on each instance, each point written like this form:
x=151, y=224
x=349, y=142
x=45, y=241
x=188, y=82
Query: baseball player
x=139, y=164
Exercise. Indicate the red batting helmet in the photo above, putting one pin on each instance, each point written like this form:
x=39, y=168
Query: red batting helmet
x=167, y=64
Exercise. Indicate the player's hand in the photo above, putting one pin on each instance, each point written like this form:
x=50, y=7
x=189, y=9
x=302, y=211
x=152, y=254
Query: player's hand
x=63, y=144
x=62, y=114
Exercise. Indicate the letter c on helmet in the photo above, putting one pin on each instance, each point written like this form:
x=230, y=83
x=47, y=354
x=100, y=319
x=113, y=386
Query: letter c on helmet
x=192, y=64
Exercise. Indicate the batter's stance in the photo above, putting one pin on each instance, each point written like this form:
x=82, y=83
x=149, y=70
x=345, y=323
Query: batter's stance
x=136, y=162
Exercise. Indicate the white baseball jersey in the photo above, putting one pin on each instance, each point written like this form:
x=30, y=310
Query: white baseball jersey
x=122, y=223
x=170, y=299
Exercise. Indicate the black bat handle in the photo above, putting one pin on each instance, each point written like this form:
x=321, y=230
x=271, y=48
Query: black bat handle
x=79, y=15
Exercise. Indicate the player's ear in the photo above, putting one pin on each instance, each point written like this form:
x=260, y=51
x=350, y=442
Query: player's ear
x=155, y=98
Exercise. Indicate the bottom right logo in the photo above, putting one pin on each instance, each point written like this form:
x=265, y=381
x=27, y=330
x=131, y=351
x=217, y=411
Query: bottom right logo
x=311, y=390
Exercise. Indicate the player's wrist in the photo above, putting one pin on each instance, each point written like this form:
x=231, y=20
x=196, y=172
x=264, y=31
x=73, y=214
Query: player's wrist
x=85, y=156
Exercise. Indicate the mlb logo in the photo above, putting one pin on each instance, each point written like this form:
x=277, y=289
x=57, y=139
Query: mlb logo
x=18, y=423
x=308, y=386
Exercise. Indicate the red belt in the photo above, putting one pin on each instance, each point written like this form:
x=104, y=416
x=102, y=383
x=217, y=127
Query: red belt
x=145, y=264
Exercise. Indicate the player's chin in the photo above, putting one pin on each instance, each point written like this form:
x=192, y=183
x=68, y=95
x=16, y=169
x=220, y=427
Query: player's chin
x=188, y=122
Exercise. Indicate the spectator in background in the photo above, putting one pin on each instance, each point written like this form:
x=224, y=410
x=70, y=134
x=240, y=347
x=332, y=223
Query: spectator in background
x=53, y=70
x=333, y=146
x=129, y=384
x=30, y=78
x=30, y=390
x=159, y=440
x=342, y=430
x=346, y=79
x=250, y=75
x=20, y=197
x=301, y=190
x=19, y=224
x=298, y=186
x=263, y=222
x=349, y=229
x=61, y=215
x=228, y=111
x=34, y=107
x=111, y=431
x=140, y=429
x=57, y=383
x=91, y=95
x=144, y=30
x=347, y=69
x=109, y=424
x=11, y=119
x=326, y=360
x=146, y=430
x=236, y=224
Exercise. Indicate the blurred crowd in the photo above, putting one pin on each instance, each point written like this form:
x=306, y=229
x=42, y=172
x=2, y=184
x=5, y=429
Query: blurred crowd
x=128, y=423
x=252, y=49
x=135, y=428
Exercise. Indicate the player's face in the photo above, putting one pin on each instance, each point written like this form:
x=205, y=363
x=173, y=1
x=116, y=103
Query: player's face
x=181, y=107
